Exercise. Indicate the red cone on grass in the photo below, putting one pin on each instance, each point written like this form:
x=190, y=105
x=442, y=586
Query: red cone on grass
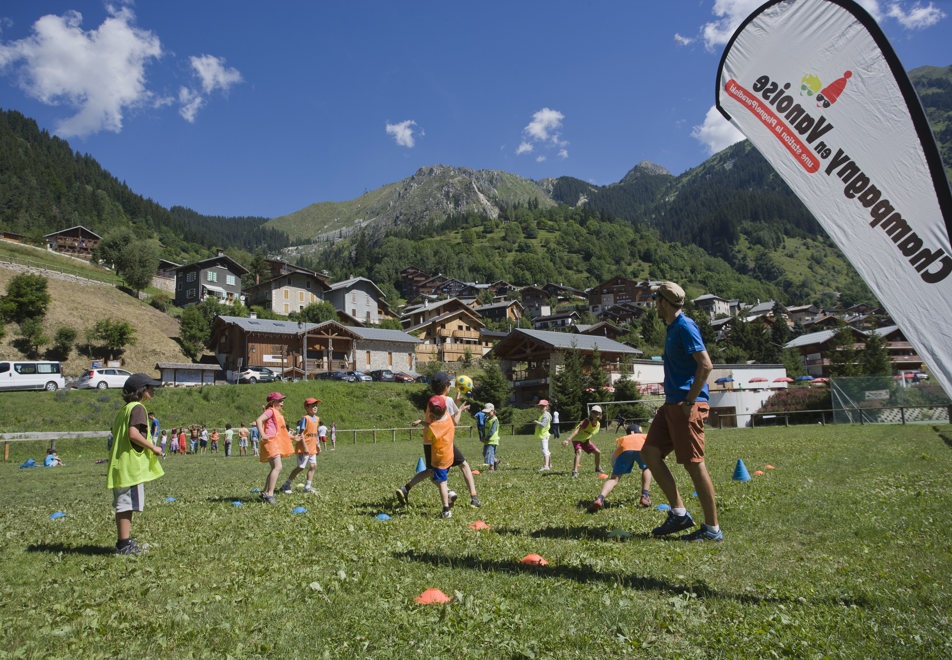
x=534, y=560
x=758, y=472
x=479, y=524
x=431, y=596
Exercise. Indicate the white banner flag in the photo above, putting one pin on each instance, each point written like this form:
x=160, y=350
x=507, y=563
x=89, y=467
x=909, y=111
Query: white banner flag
x=816, y=87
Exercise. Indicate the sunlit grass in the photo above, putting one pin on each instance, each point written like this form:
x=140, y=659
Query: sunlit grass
x=841, y=551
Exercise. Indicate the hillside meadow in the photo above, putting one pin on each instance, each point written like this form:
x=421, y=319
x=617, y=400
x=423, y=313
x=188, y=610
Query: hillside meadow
x=841, y=551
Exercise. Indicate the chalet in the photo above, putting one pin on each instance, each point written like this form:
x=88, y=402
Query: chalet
x=618, y=290
x=804, y=314
x=76, y=241
x=815, y=349
x=288, y=292
x=533, y=297
x=419, y=314
x=560, y=320
x=185, y=374
x=600, y=329
x=329, y=346
x=411, y=278
x=902, y=354
x=357, y=296
x=564, y=293
x=504, y=310
x=714, y=306
x=164, y=277
x=622, y=313
x=453, y=336
x=530, y=358
x=216, y=277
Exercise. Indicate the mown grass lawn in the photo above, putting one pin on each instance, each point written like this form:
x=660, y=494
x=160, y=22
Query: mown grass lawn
x=842, y=551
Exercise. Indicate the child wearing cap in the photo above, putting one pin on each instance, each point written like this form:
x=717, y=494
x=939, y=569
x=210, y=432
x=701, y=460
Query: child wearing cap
x=275, y=442
x=440, y=454
x=626, y=455
x=306, y=446
x=133, y=459
x=584, y=432
x=490, y=436
x=542, y=434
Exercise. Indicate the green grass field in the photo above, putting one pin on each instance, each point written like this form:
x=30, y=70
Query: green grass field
x=842, y=551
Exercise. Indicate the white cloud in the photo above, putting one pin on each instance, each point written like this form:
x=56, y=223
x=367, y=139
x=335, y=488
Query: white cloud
x=682, y=41
x=716, y=133
x=213, y=75
x=545, y=132
x=99, y=73
x=403, y=133
x=918, y=17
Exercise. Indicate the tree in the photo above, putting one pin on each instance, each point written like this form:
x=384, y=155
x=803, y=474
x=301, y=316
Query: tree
x=109, y=250
x=27, y=298
x=318, y=312
x=652, y=328
x=31, y=332
x=194, y=331
x=568, y=386
x=138, y=262
x=115, y=335
x=493, y=387
x=843, y=357
x=874, y=358
x=63, y=340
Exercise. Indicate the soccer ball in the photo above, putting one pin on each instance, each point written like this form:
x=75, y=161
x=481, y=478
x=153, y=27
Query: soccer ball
x=464, y=384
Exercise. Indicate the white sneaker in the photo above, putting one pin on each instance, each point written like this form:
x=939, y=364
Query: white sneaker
x=544, y=468
x=286, y=490
x=308, y=489
x=452, y=498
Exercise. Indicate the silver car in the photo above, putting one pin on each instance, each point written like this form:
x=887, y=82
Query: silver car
x=102, y=379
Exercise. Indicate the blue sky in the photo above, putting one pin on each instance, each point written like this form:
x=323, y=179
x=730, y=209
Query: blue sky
x=239, y=108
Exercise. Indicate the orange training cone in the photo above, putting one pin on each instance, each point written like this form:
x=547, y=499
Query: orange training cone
x=758, y=472
x=479, y=524
x=431, y=596
x=769, y=467
x=475, y=471
x=602, y=475
x=534, y=560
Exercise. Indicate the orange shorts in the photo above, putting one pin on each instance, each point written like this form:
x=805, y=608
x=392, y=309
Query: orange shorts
x=671, y=430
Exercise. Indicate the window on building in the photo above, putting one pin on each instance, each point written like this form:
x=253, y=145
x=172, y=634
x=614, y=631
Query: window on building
x=300, y=295
x=285, y=308
x=368, y=358
x=230, y=280
x=389, y=359
x=211, y=276
x=190, y=293
x=286, y=295
x=190, y=277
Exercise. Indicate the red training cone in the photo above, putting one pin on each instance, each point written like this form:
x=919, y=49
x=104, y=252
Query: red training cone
x=534, y=560
x=431, y=596
x=479, y=524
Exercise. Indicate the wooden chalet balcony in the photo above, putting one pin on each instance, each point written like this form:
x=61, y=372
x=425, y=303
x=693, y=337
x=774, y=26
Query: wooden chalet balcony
x=458, y=334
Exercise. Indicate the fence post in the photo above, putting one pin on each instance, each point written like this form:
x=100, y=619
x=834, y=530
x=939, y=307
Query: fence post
x=6, y=452
x=394, y=439
x=786, y=420
x=902, y=413
x=355, y=436
x=375, y=436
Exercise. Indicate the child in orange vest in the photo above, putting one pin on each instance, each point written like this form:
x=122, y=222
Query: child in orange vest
x=275, y=442
x=306, y=446
x=623, y=460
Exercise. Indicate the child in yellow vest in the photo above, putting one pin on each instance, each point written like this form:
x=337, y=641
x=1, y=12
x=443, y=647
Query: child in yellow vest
x=584, y=432
x=623, y=460
x=306, y=446
x=134, y=459
x=542, y=434
x=440, y=454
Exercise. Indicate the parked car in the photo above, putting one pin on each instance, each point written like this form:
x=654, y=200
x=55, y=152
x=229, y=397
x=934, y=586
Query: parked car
x=384, y=375
x=401, y=377
x=336, y=375
x=102, y=379
x=359, y=376
x=27, y=375
x=258, y=375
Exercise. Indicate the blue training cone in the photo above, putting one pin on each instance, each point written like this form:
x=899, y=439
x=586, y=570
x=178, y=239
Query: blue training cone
x=740, y=471
x=420, y=465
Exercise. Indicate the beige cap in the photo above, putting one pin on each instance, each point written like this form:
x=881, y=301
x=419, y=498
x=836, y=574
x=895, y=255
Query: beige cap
x=670, y=292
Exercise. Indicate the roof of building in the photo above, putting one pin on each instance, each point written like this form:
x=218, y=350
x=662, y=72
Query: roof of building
x=565, y=340
x=347, y=284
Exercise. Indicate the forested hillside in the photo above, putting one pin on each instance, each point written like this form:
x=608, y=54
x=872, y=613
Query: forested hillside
x=45, y=187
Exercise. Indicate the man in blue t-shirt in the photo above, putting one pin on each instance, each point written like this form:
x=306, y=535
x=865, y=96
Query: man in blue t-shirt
x=679, y=424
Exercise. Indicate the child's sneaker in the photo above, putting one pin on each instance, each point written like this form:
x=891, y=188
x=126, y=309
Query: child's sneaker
x=286, y=489
x=645, y=500
x=673, y=524
x=474, y=502
x=309, y=489
x=703, y=534
x=544, y=468
x=596, y=506
x=574, y=473
x=452, y=498
x=446, y=514
x=131, y=548
x=268, y=499
x=402, y=494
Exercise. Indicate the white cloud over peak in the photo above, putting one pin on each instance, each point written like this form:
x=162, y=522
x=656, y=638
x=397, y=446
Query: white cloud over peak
x=100, y=73
x=544, y=131
x=681, y=40
x=716, y=133
x=213, y=75
x=403, y=133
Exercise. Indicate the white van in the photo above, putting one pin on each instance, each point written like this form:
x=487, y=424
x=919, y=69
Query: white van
x=27, y=375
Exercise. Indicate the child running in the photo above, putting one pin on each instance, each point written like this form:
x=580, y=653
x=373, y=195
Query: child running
x=322, y=435
x=306, y=446
x=584, y=432
x=443, y=414
x=542, y=434
x=133, y=460
x=275, y=442
x=624, y=458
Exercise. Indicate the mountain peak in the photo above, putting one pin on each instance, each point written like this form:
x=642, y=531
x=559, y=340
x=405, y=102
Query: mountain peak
x=642, y=169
